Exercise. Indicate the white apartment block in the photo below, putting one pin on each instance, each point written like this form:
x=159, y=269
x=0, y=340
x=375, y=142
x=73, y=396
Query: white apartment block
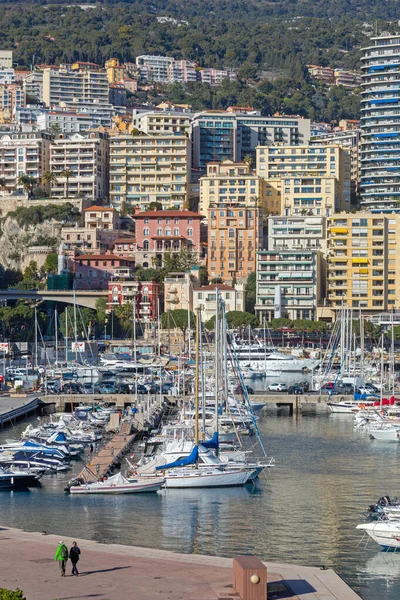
x=12, y=96
x=33, y=85
x=65, y=84
x=297, y=232
x=6, y=59
x=7, y=75
x=217, y=76
x=68, y=122
x=23, y=154
x=87, y=157
x=165, y=69
x=150, y=168
x=161, y=122
x=101, y=113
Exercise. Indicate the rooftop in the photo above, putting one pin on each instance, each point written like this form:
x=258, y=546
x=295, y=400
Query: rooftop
x=100, y=208
x=216, y=286
x=168, y=213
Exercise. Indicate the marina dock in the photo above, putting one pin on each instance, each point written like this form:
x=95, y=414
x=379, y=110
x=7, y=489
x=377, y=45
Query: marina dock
x=115, y=572
x=102, y=462
x=13, y=408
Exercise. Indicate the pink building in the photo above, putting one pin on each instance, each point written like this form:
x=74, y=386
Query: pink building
x=159, y=231
x=93, y=271
x=145, y=294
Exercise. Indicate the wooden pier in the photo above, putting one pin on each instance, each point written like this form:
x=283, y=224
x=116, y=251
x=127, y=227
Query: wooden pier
x=102, y=463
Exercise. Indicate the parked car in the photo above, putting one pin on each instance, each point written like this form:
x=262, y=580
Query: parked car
x=87, y=388
x=249, y=390
x=368, y=391
x=141, y=389
x=105, y=387
x=278, y=387
x=71, y=387
x=345, y=388
x=295, y=389
x=123, y=388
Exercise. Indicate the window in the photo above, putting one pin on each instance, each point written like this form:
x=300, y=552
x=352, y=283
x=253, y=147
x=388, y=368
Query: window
x=200, y=296
x=146, y=231
x=146, y=245
x=176, y=231
x=190, y=232
x=146, y=220
x=159, y=231
x=168, y=231
x=231, y=233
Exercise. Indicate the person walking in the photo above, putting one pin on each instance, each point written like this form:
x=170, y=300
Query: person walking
x=62, y=557
x=74, y=555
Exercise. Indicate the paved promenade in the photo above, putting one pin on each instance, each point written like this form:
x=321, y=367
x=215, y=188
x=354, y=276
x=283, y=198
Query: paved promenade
x=116, y=572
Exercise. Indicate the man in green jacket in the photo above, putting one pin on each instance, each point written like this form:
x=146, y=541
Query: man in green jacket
x=62, y=556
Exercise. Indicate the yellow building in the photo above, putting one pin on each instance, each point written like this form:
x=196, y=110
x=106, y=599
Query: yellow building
x=149, y=168
x=115, y=71
x=310, y=179
x=363, y=262
x=230, y=183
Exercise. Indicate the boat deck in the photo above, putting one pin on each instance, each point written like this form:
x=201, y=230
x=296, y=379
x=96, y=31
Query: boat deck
x=115, y=572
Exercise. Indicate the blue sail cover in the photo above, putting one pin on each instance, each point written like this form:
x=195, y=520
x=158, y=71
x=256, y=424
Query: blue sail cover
x=188, y=460
x=213, y=443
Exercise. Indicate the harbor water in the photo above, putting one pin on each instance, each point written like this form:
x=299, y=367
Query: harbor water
x=305, y=511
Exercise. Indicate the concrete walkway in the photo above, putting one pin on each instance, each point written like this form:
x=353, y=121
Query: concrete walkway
x=116, y=572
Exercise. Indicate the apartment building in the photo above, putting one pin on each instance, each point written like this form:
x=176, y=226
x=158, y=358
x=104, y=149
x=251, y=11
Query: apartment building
x=144, y=295
x=313, y=180
x=165, y=69
x=226, y=135
x=363, y=262
x=161, y=231
x=162, y=122
x=234, y=184
x=294, y=232
x=23, y=154
x=82, y=81
x=12, y=96
x=290, y=283
x=94, y=271
x=98, y=234
x=101, y=113
x=7, y=75
x=350, y=141
x=6, y=59
x=68, y=122
x=205, y=299
x=380, y=124
x=324, y=74
x=347, y=79
x=33, y=86
x=149, y=168
x=87, y=156
x=234, y=236
x=115, y=70
x=215, y=77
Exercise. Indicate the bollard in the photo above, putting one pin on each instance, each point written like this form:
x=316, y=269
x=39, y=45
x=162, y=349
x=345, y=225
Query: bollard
x=250, y=578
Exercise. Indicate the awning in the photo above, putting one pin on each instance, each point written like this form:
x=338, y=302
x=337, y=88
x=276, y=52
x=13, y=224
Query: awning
x=339, y=230
x=363, y=261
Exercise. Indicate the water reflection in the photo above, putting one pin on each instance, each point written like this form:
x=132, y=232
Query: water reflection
x=304, y=512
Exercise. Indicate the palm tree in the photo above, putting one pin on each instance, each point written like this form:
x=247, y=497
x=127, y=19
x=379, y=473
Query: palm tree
x=27, y=182
x=48, y=178
x=67, y=174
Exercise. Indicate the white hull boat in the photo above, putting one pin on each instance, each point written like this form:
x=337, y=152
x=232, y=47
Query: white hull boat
x=384, y=533
x=348, y=406
x=118, y=484
x=205, y=478
x=390, y=434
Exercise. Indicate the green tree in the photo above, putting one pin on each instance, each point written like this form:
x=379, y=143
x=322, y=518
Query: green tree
x=154, y=206
x=49, y=178
x=180, y=261
x=237, y=319
x=31, y=272
x=51, y=263
x=280, y=323
x=251, y=292
x=85, y=318
x=55, y=129
x=67, y=174
x=101, y=310
x=27, y=182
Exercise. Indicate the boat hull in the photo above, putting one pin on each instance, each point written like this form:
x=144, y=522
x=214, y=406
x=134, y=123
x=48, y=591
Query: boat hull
x=385, y=435
x=129, y=488
x=203, y=479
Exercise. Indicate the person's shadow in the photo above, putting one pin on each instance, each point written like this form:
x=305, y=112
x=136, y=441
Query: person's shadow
x=81, y=574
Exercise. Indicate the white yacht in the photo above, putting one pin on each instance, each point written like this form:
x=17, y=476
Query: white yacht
x=260, y=358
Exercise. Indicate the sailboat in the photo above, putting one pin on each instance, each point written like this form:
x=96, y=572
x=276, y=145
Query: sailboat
x=185, y=472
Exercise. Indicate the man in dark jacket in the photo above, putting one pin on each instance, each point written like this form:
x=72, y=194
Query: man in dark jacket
x=74, y=554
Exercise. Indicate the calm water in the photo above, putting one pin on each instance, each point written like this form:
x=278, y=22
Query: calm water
x=304, y=512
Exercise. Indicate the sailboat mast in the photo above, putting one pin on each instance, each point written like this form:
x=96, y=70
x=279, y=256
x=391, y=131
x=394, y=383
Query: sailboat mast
x=196, y=422
x=56, y=332
x=36, y=340
x=203, y=378
x=66, y=334
x=216, y=358
x=392, y=357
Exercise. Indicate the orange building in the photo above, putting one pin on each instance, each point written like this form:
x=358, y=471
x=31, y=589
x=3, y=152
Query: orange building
x=234, y=236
